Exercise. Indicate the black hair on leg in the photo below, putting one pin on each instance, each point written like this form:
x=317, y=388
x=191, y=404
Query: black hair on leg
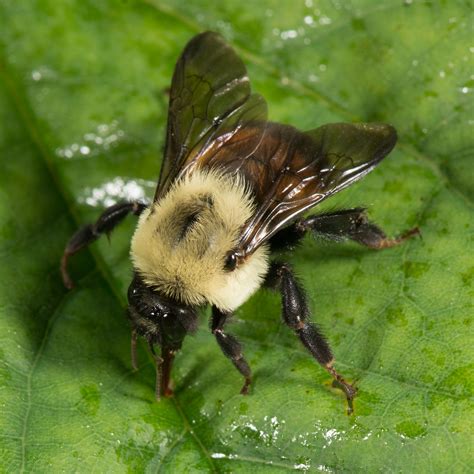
x=106, y=222
x=339, y=226
x=230, y=346
x=295, y=313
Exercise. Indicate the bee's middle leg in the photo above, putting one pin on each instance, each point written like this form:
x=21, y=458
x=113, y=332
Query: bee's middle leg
x=89, y=233
x=230, y=347
x=296, y=315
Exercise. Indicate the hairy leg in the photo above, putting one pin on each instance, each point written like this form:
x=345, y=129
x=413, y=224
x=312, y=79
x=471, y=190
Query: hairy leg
x=106, y=222
x=341, y=225
x=296, y=313
x=230, y=347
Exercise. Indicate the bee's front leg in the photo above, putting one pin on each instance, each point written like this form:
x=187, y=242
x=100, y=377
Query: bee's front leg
x=230, y=347
x=295, y=314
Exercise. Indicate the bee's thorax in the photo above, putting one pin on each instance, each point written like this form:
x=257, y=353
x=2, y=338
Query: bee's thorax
x=182, y=242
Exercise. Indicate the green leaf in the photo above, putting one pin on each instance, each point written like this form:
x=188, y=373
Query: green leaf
x=83, y=112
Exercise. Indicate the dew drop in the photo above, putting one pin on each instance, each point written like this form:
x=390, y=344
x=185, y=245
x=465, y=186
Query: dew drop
x=36, y=76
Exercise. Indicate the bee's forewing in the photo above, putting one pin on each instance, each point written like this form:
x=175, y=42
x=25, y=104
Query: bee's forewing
x=210, y=99
x=290, y=171
x=215, y=122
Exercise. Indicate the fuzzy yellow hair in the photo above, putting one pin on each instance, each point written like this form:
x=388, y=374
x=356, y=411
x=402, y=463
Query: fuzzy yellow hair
x=186, y=261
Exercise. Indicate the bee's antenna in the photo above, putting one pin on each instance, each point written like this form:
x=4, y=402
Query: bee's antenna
x=133, y=350
x=167, y=357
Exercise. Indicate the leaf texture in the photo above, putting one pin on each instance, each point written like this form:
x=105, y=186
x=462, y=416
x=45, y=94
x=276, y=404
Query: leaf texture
x=83, y=110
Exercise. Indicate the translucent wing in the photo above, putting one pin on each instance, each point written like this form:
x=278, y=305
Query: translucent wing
x=210, y=102
x=215, y=122
x=291, y=171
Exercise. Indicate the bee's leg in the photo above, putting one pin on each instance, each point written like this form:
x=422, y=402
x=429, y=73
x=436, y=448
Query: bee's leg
x=106, y=222
x=288, y=238
x=295, y=314
x=352, y=224
x=230, y=346
x=341, y=225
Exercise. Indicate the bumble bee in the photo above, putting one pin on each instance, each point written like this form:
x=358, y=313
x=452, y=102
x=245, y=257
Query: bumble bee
x=232, y=191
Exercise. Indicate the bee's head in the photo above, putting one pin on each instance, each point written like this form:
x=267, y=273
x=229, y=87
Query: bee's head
x=158, y=319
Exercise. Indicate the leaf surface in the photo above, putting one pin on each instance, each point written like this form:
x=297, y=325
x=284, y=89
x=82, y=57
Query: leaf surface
x=83, y=112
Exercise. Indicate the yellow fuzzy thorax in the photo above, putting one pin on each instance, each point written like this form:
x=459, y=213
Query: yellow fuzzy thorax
x=181, y=242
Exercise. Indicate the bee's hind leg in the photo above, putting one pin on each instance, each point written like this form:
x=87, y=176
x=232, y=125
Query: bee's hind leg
x=352, y=224
x=346, y=224
x=295, y=314
x=106, y=222
x=230, y=347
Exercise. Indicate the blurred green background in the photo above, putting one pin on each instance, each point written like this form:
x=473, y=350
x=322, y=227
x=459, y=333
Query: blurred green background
x=82, y=124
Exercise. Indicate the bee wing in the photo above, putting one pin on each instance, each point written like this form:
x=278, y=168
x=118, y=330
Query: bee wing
x=210, y=102
x=214, y=121
x=291, y=171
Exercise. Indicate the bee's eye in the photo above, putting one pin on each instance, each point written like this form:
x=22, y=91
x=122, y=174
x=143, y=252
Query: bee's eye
x=230, y=262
